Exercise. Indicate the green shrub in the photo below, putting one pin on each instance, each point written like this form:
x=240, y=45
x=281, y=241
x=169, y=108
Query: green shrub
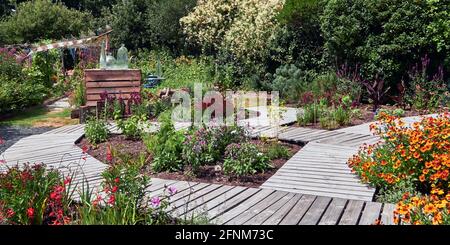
x=327, y=120
x=131, y=127
x=124, y=201
x=291, y=82
x=244, y=159
x=275, y=150
x=342, y=115
x=205, y=146
x=166, y=146
x=42, y=19
x=385, y=37
x=311, y=114
x=96, y=131
x=16, y=95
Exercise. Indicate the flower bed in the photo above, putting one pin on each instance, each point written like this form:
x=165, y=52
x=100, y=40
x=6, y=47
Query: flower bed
x=217, y=154
x=411, y=166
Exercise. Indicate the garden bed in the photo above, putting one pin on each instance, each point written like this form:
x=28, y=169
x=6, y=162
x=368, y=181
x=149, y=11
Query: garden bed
x=367, y=115
x=136, y=150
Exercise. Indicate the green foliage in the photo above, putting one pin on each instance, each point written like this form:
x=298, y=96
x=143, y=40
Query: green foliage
x=205, y=146
x=244, y=159
x=397, y=113
x=124, y=202
x=96, y=131
x=166, y=146
x=385, y=37
x=289, y=81
x=396, y=192
x=440, y=24
x=181, y=72
x=303, y=38
x=311, y=114
x=42, y=19
x=150, y=24
x=16, y=94
x=25, y=193
x=43, y=69
x=275, y=150
x=131, y=127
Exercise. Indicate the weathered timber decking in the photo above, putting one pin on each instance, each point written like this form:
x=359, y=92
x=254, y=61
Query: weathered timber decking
x=314, y=187
x=254, y=206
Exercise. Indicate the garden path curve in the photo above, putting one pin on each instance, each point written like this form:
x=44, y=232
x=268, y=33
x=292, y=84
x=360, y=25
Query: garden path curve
x=314, y=187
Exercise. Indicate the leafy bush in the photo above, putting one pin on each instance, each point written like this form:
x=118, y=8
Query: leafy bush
x=131, y=127
x=96, y=131
x=426, y=91
x=124, y=202
x=289, y=81
x=150, y=24
x=244, y=159
x=166, y=146
x=32, y=195
x=360, y=33
x=302, y=39
x=16, y=95
x=206, y=145
x=311, y=114
x=275, y=150
x=42, y=19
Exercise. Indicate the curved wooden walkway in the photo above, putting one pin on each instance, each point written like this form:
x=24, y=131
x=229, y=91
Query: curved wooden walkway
x=314, y=187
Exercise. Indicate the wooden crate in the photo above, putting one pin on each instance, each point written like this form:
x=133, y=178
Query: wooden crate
x=116, y=82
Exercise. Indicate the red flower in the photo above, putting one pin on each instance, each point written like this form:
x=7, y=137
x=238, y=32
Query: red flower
x=116, y=180
x=67, y=181
x=84, y=148
x=112, y=199
x=2, y=141
x=114, y=189
x=30, y=213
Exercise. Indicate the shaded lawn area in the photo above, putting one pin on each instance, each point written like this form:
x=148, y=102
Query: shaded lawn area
x=40, y=117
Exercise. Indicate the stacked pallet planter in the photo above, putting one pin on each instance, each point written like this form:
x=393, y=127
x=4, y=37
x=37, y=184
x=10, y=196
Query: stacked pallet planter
x=116, y=82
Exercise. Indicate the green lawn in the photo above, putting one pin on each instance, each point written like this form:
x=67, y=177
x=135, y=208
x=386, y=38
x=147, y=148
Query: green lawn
x=40, y=117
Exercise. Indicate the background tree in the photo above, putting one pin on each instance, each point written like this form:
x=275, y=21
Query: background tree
x=42, y=19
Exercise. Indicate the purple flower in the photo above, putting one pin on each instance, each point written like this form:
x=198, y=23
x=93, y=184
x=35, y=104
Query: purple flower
x=172, y=190
x=155, y=201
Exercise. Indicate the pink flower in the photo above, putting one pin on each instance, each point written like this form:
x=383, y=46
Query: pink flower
x=172, y=190
x=67, y=181
x=112, y=199
x=2, y=141
x=2, y=161
x=155, y=201
x=10, y=213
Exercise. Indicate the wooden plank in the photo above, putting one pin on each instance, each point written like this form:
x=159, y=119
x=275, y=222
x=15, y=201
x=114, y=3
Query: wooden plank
x=352, y=213
x=370, y=214
x=387, y=216
x=257, y=208
x=259, y=218
x=323, y=184
x=113, y=90
x=314, y=213
x=276, y=217
x=297, y=212
x=113, y=84
x=201, y=202
x=237, y=210
x=217, y=202
x=318, y=192
x=96, y=97
x=96, y=75
x=333, y=212
x=231, y=202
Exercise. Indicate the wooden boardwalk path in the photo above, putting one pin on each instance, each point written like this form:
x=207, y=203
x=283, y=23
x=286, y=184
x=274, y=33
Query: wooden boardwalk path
x=231, y=205
x=314, y=187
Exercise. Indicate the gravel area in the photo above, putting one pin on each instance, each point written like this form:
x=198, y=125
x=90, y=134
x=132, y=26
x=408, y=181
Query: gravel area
x=12, y=134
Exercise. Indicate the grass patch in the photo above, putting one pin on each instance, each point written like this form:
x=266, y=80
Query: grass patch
x=40, y=117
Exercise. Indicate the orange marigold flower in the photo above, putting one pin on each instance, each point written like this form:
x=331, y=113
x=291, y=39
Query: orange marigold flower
x=429, y=209
x=422, y=178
